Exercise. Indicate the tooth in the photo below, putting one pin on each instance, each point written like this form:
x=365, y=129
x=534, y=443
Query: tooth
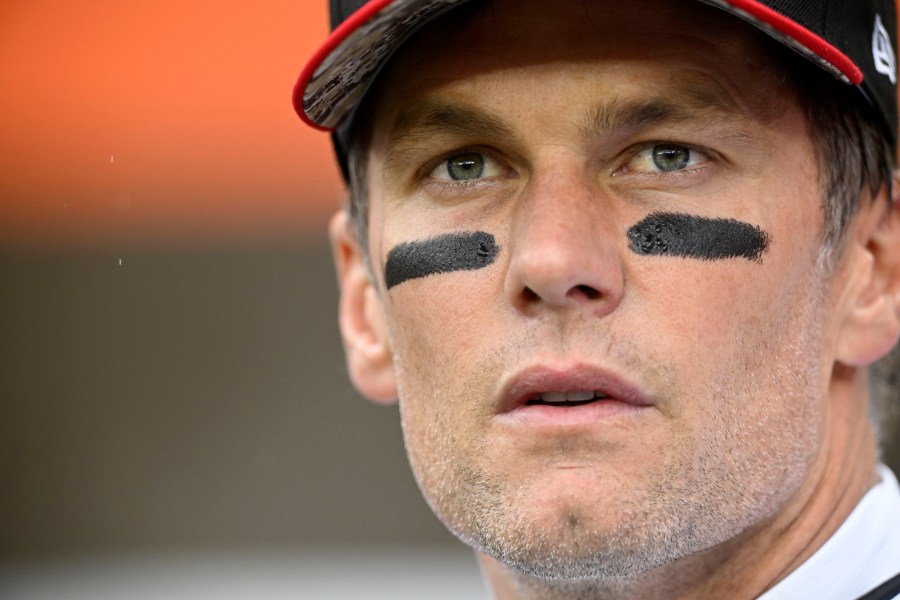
x=580, y=396
x=553, y=397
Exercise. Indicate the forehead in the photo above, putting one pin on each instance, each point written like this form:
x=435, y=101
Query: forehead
x=705, y=50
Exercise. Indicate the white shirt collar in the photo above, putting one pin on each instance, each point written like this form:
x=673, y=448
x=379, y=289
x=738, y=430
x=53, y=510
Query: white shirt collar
x=862, y=553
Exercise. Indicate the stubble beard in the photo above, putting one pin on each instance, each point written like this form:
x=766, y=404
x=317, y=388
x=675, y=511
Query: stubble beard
x=745, y=472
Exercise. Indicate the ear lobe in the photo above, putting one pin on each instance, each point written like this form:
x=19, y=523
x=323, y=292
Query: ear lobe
x=361, y=318
x=871, y=326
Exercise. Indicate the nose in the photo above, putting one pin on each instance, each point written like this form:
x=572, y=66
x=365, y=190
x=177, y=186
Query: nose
x=565, y=253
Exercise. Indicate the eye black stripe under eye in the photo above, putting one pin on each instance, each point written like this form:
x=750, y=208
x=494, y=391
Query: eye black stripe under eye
x=463, y=251
x=674, y=234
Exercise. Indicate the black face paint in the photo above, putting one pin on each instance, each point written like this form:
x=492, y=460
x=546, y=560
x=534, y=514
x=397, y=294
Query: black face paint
x=464, y=251
x=690, y=236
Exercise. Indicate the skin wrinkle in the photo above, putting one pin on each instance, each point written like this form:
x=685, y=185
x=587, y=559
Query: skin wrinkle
x=422, y=119
x=685, y=104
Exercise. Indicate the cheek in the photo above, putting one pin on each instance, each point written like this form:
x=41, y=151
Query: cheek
x=441, y=328
x=717, y=323
x=444, y=338
x=694, y=304
x=742, y=344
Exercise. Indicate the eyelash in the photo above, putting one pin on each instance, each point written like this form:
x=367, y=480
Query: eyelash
x=633, y=151
x=457, y=186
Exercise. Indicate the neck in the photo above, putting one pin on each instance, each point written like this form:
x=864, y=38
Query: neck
x=756, y=560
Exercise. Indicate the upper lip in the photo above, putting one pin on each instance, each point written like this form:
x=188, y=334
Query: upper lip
x=528, y=383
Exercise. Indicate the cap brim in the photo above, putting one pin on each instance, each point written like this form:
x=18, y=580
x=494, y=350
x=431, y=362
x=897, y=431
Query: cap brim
x=338, y=76
x=341, y=72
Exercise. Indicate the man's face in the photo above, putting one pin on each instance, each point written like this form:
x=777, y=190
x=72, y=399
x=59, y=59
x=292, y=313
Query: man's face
x=696, y=383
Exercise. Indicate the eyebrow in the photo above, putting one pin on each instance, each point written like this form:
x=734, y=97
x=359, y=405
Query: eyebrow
x=428, y=116
x=419, y=122
x=690, y=102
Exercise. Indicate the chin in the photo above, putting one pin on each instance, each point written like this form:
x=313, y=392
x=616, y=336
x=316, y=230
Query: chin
x=583, y=528
x=570, y=551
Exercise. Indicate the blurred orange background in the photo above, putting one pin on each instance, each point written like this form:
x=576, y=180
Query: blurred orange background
x=172, y=376
x=158, y=123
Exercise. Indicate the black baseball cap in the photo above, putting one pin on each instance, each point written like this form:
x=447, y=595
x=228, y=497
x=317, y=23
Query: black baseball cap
x=854, y=40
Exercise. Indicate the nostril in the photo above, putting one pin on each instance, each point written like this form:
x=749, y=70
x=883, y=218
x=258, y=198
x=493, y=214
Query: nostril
x=530, y=295
x=587, y=291
x=584, y=291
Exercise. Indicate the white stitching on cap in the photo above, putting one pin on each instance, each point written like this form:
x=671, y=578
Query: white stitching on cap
x=883, y=52
x=343, y=77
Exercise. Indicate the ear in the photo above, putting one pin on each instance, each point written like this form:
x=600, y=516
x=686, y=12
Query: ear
x=361, y=317
x=871, y=326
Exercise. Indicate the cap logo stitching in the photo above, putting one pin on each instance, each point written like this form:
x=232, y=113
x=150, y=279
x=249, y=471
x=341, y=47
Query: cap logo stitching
x=883, y=52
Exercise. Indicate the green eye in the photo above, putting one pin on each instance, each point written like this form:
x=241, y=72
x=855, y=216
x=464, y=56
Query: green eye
x=665, y=157
x=468, y=167
x=463, y=167
x=670, y=157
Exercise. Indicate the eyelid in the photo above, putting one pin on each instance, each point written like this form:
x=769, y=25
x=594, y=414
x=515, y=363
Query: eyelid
x=635, y=149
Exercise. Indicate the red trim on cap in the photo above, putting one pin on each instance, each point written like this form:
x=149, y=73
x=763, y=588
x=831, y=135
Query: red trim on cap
x=803, y=35
x=771, y=17
x=341, y=33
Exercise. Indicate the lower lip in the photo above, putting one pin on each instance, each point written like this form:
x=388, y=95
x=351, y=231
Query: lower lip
x=571, y=416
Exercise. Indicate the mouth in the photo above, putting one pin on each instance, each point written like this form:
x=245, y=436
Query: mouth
x=576, y=394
